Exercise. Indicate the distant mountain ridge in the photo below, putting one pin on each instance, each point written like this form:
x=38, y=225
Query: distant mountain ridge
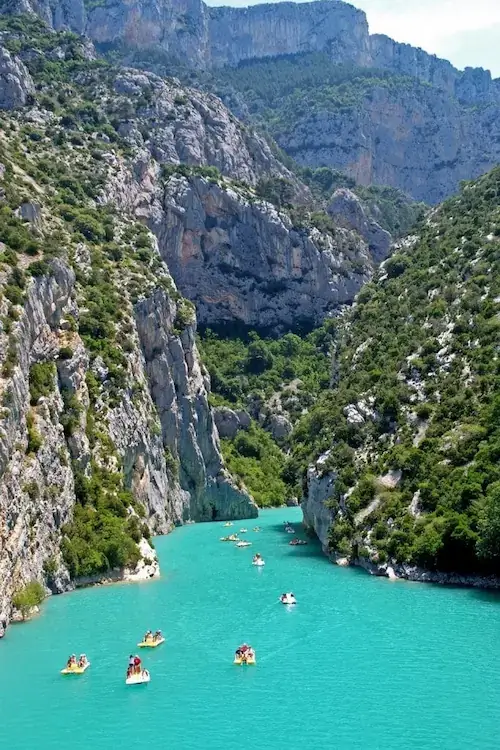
x=190, y=30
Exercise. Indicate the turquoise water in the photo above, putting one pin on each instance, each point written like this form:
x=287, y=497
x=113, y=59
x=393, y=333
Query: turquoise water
x=359, y=663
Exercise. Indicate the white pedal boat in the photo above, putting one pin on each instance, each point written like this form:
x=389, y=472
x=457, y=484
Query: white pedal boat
x=138, y=679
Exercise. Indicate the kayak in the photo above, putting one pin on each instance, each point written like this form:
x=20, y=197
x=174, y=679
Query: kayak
x=244, y=544
x=76, y=669
x=243, y=531
x=138, y=679
x=151, y=644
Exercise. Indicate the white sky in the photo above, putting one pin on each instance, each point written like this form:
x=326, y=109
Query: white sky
x=467, y=32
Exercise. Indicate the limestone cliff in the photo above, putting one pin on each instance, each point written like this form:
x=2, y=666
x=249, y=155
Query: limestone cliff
x=266, y=30
x=408, y=135
x=240, y=259
x=106, y=433
x=423, y=134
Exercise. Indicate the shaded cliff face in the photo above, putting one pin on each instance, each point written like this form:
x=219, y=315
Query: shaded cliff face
x=239, y=259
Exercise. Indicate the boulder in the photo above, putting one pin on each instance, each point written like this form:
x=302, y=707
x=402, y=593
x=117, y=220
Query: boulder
x=226, y=421
x=279, y=426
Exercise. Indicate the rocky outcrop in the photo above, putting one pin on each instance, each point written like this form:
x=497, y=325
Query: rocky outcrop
x=179, y=389
x=346, y=208
x=472, y=86
x=320, y=486
x=16, y=84
x=239, y=259
x=279, y=426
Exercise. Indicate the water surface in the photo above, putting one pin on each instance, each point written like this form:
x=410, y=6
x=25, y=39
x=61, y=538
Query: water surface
x=359, y=663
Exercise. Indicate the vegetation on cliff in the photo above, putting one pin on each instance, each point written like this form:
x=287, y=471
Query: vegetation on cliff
x=418, y=379
x=53, y=161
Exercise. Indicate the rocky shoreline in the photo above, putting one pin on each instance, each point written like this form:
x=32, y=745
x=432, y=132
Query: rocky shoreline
x=396, y=572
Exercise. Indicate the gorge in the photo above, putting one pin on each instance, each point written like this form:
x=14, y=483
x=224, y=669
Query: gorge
x=347, y=350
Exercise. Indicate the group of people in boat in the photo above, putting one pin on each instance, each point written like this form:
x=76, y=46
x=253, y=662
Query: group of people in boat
x=244, y=653
x=288, y=598
x=150, y=637
x=74, y=663
x=288, y=528
x=134, y=665
x=297, y=542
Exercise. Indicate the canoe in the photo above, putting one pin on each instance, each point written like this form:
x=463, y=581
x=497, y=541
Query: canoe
x=138, y=679
x=151, y=644
x=75, y=670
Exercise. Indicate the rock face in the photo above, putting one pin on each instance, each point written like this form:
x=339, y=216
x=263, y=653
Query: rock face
x=317, y=516
x=346, y=208
x=190, y=30
x=472, y=86
x=240, y=259
x=288, y=28
x=179, y=389
x=36, y=493
x=175, y=124
x=15, y=82
x=412, y=137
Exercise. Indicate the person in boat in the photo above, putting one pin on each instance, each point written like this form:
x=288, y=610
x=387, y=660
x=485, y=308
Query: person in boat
x=256, y=557
x=82, y=661
x=158, y=636
x=148, y=636
x=130, y=664
x=71, y=661
x=137, y=664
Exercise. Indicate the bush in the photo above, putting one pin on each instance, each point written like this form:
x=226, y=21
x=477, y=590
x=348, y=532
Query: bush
x=41, y=380
x=28, y=597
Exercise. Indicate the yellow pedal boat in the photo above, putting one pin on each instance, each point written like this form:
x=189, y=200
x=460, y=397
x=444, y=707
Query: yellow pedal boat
x=150, y=643
x=240, y=661
x=76, y=669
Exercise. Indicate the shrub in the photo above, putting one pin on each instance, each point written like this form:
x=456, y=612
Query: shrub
x=41, y=380
x=28, y=597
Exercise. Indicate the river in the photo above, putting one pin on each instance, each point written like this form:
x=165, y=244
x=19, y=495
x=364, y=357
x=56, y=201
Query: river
x=359, y=663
